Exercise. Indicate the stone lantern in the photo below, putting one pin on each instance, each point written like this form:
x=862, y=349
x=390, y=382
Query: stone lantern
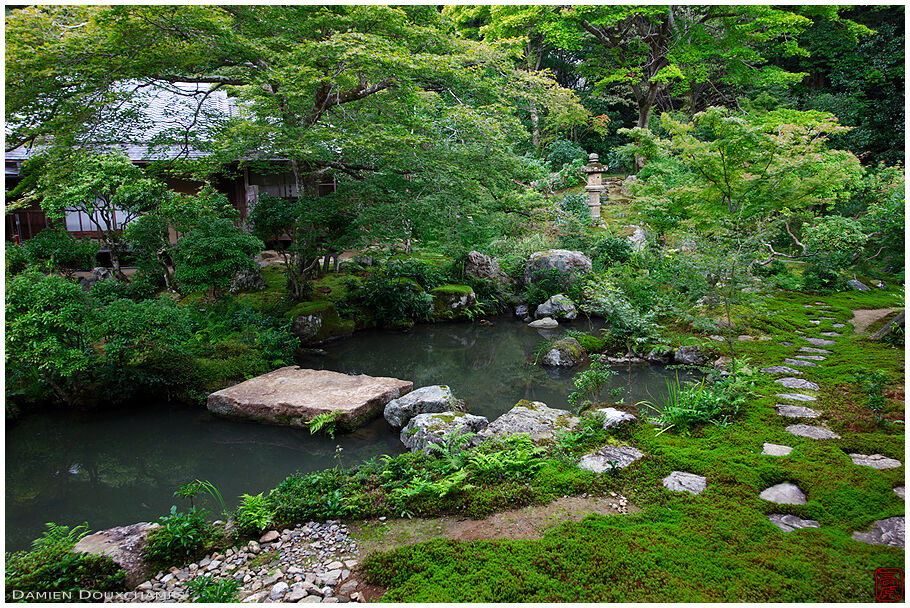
x=595, y=185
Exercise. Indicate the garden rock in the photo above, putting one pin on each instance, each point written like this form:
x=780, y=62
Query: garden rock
x=796, y=411
x=820, y=341
x=608, y=458
x=797, y=362
x=784, y=494
x=557, y=307
x=773, y=449
x=484, y=267
x=810, y=357
x=292, y=396
x=425, y=429
x=425, y=400
x=545, y=323
x=320, y=323
x=884, y=532
x=569, y=264
x=124, y=545
x=269, y=537
x=613, y=417
x=798, y=383
x=534, y=418
x=689, y=355
x=789, y=523
x=565, y=352
x=452, y=301
x=639, y=238
x=812, y=432
x=797, y=396
x=678, y=481
x=247, y=280
x=876, y=461
x=853, y=283
x=781, y=369
x=900, y=491
x=522, y=311
x=809, y=349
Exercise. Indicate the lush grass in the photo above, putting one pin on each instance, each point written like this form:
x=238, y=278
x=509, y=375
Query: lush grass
x=718, y=546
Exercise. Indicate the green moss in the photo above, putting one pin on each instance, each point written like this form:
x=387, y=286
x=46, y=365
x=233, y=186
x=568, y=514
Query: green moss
x=453, y=289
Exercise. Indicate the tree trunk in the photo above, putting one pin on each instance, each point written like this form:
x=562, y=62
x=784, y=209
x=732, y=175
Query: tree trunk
x=535, y=126
x=889, y=327
x=644, y=117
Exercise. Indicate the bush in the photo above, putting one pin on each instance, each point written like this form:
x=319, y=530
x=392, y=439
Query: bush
x=17, y=258
x=610, y=250
x=209, y=256
x=547, y=283
x=590, y=384
x=563, y=151
x=179, y=538
x=706, y=402
x=207, y=590
x=605, y=299
x=253, y=515
x=55, y=250
x=513, y=254
x=428, y=276
x=574, y=205
x=389, y=301
x=312, y=496
x=52, y=566
x=820, y=278
x=139, y=287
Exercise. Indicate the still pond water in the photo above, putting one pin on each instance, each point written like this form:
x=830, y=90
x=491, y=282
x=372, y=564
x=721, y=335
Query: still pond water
x=117, y=468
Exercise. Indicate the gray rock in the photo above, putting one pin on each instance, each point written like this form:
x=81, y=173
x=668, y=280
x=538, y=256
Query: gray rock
x=639, y=238
x=773, y=449
x=780, y=369
x=784, y=494
x=255, y=598
x=884, y=532
x=876, y=461
x=797, y=396
x=789, y=523
x=831, y=334
x=814, y=321
x=557, y=307
x=545, y=323
x=812, y=432
x=858, y=286
x=809, y=349
x=798, y=383
x=99, y=274
x=838, y=325
x=820, y=341
x=810, y=357
x=678, y=481
x=796, y=411
x=484, y=267
x=613, y=417
x=689, y=355
x=269, y=537
x=279, y=588
x=608, y=458
x=798, y=362
x=565, y=352
x=125, y=545
x=534, y=418
x=425, y=429
x=522, y=311
x=785, y=343
x=425, y=400
x=899, y=490
x=568, y=263
x=247, y=280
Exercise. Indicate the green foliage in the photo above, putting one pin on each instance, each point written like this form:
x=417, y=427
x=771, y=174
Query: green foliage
x=208, y=590
x=835, y=240
x=452, y=449
x=514, y=458
x=179, y=538
x=563, y=151
x=817, y=277
x=590, y=384
x=209, y=256
x=548, y=283
x=608, y=251
x=254, y=514
x=17, y=258
x=54, y=250
x=574, y=206
x=591, y=344
x=426, y=275
x=604, y=298
x=312, y=496
x=687, y=405
x=324, y=422
x=197, y=487
x=513, y=254
x=872, y=385
x=52, y=566
x=389, y=301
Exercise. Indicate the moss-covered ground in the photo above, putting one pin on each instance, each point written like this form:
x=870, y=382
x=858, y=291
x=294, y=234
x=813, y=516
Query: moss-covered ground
x=719, y=545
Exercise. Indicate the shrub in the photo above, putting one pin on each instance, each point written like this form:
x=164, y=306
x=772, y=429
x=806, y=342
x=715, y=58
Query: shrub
x=390, y=301
x=574, y=205
x=179, y=538
x=17, y=259
x=138, y=287
x=426, y=275
x=590, y=384
x=819, y=278
x=702, y=403
x=55, y=250
x=872, y=384
x=548, y=283
x=253, y=515
x=513, y=254
x=207, y=590
x=52, y=566
x=563, y=151
x=209, y=256
x=312, y=496
x=610, y=250
x=607, y=300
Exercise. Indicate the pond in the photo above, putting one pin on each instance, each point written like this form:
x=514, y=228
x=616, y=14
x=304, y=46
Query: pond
x=119, y=467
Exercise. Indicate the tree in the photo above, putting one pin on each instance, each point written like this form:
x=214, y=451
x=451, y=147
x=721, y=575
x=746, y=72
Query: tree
x=209, y=255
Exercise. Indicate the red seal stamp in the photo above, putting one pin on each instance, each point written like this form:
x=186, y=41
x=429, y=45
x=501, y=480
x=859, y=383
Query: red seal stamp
x=889, y=585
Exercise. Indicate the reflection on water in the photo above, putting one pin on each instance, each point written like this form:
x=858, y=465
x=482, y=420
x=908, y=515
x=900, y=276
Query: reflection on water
x=118, y=468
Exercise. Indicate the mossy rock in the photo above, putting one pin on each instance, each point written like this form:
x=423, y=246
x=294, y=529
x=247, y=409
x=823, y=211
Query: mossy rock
x=318, y=322
x=453, y=301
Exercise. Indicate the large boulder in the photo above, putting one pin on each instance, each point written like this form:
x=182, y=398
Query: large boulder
x=247, y=280
x=125, y=545
x=452, y=301
x=638, y=237
x=689, y=355
x=484, y=267
x=292, y=396
x=542, y=423
x=545, y=323
x=425, y=429
x=565, y=352
x=569, y=264
x=557, y=307
x=318, y=322
x=424, y=400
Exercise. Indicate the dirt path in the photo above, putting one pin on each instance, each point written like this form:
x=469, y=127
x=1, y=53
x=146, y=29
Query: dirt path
x=864, y=317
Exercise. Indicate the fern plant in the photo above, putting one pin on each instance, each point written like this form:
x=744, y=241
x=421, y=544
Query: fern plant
x=324, y=422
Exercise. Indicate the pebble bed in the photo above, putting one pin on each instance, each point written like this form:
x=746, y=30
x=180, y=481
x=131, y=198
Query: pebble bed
x=310, y=563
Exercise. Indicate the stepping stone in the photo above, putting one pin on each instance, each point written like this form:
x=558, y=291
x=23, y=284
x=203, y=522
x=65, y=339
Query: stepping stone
x=797, y=396
x=717, y=338
x=780, y=369
x=745, y=338
x=784, y=494
x=822, y=303
x=876, y=461
x=812, y=432
x=786, y=343
x=820, y=341
x=831, y=334
x=796, y=411
x=789, y=361
x=807, y=306
x=789, y=523
x=811, y=357
x=773, y=449
x=884, y=532
x=809, y=349
x=800, y=332
x=814, y=322
x=609, y=458
x=838, y=325
x=899, y=490
x=798, y=383
x=678, y=481
x=829, y=318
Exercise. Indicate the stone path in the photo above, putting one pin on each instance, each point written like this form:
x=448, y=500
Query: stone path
x=888, y=531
